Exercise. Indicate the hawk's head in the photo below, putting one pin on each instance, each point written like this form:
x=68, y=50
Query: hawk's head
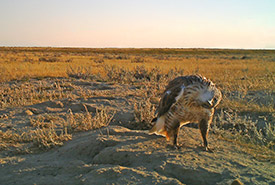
x=205, y=94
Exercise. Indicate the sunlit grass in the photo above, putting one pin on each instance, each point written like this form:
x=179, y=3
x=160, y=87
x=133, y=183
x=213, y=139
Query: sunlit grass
x=226, y=69
x=232, y=70
x=245, y=77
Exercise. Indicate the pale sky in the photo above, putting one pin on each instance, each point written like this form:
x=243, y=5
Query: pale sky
x=138, y=23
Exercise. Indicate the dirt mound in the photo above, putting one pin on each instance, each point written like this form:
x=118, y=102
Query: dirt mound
x=118, y=155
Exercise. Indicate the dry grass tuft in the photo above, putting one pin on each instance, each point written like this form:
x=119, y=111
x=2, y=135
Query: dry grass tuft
x=230, y=125
x=86, y=121
x=28, y=93
x=48, y=134
x=46, y=138
x=138, y=60
x=49, y=59
x=99, y=60
x=144, y=113
x=50, y=131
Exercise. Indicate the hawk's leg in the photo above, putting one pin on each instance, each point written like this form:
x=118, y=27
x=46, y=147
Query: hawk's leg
x=175, y=141
x=204, y=127
x=176, y=129
x=172, y=131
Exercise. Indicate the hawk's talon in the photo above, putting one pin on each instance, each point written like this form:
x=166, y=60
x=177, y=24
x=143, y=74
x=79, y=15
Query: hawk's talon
x=177, y=147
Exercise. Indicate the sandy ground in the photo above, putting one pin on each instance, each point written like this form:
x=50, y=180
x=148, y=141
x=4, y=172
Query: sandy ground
x=119, y=155
x=122, y=156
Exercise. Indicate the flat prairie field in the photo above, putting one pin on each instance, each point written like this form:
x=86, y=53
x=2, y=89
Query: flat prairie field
x=235, y=69
x=247, y=75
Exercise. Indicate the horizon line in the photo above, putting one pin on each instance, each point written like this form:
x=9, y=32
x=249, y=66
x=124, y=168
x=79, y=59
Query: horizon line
x=118, y=47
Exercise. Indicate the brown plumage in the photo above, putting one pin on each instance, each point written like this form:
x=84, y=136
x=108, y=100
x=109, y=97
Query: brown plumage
x=186, y=99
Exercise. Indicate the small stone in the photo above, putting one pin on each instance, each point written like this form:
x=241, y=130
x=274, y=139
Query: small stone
x=29, y=113
x=35, y=111
x=50, y=109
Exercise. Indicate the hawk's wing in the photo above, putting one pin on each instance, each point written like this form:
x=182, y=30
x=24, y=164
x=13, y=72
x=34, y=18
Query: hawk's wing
x=168, y=99
x=174, y=91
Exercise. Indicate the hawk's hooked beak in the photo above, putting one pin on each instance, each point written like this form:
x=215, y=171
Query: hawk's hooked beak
x=207, y=104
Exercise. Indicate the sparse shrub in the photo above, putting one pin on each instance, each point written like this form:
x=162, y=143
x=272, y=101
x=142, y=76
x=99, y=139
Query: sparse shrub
x=55, y=131
x=86, y=121
x=10, y=138
x=269, y=131
x=81, y=73
x=49, y=59
x=118, y=74
x=144, y=113
x=244, y=129
x=108, y=56
x=69, y=60
x=28, y=94
x=244, y=57
x=99, y=60
x=122, y=57
x=162, y=57
x=26, y=59
x=140, y=72
x=122, y=75
x=40, y=122
x=138, y=60
x=49, y=132
x=46, y=138
x=12, y=59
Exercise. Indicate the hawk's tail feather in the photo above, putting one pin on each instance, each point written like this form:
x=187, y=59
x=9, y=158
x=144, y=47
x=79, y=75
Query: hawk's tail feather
x=158, y=128
x=153, y=130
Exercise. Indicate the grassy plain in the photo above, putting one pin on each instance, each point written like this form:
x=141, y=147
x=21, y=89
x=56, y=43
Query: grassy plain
x=253, y=69
x=239, y=73
x=30, y=76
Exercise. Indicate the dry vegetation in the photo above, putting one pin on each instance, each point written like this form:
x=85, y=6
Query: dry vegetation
x=30, y=76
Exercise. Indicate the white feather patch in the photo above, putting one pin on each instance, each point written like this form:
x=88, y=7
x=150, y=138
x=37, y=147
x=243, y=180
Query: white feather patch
x=160, y=125
x=181, y=93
